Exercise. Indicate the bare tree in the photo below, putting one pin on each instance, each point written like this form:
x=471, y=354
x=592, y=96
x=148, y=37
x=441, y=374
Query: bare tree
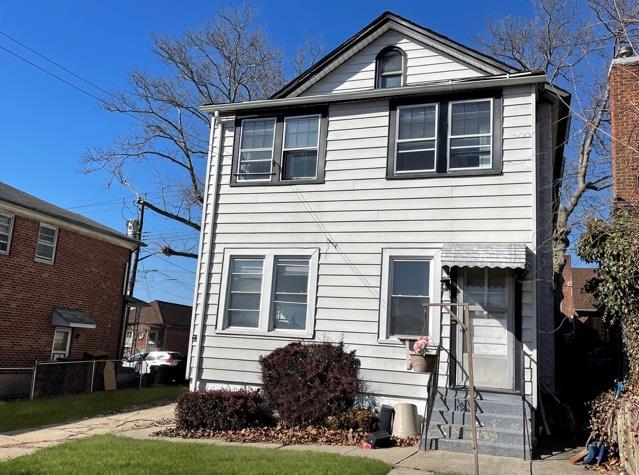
x=307, y=54
x=573, y=42
x=228, y=60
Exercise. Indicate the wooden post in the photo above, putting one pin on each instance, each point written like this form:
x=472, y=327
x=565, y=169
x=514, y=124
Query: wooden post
x=471, y=385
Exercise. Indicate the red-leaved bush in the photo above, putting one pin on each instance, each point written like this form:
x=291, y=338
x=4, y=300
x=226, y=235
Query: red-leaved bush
x=222, y=409
x=306, y=383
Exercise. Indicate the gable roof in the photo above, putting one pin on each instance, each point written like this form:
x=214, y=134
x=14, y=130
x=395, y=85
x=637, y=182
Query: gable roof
x=391, y=21
x=13, y=196
x=160, y=312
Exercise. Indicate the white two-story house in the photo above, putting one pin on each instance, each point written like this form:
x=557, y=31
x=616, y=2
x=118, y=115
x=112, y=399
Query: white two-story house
x=402, y=169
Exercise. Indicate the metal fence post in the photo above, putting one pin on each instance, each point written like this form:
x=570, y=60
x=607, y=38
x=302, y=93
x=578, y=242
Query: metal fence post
x=92, y=376
x=33, y=379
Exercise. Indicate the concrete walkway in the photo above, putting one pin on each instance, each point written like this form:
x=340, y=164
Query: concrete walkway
x=404, y=460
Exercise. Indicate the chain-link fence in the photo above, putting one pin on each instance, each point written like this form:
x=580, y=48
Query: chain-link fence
x=57, y=378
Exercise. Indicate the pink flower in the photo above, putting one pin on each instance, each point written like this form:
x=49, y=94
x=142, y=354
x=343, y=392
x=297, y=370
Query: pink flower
x=366, y=445
x=420, y=345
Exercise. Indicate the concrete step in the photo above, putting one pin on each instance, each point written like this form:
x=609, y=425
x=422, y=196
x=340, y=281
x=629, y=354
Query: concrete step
x=485, y=448
x=456, y=431
x=495, y=421
x=508, y=407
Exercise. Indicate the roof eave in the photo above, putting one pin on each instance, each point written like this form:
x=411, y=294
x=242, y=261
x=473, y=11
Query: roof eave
x=484, y=82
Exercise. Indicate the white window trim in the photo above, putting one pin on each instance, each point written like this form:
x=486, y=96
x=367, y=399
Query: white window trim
x=11, y=218
x=433, y=255
x=450, y=136
x=398, y=140
x=55, y=244
x=128, y=340
x=272, y=149
x=316, y=148
x=265, y=324
x=69, y=331
x=401, y=72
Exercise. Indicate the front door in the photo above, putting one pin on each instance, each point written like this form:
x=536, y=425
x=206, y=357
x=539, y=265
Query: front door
x=490, y=293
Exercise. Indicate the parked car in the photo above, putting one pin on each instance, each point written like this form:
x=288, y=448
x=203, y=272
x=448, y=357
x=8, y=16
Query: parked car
x=162, y=358
x=164, y=367
x=135, y=361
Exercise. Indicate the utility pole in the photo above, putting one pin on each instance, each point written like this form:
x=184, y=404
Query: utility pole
x=138, y=236
x=134, y=230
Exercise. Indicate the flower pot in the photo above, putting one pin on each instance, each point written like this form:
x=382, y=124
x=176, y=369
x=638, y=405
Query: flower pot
x=422, y=364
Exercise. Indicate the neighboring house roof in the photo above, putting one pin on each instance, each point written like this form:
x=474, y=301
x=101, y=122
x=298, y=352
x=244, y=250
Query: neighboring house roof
x=583, y=300
x=165, y=313
x=386, y=21
x=15, y=197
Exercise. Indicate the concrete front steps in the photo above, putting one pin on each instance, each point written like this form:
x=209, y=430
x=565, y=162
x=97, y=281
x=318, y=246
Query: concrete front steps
x=501, y=426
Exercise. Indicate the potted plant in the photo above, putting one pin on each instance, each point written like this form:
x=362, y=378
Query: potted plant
x=421, y=360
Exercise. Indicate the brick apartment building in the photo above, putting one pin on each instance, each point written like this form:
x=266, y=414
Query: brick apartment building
x=62, y=278
x=161, y=326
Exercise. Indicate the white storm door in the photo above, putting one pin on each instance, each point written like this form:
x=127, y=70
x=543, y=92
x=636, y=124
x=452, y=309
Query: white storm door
x=490, y=293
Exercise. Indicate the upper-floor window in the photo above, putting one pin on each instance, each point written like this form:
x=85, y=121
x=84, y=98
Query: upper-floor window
x=299, y=152
x=416, y=142
x=470, y=134
x=391, y=65
x=6, y=227
x=47, y=240
x=280, y=149
x=256, y=150
x=445, y=138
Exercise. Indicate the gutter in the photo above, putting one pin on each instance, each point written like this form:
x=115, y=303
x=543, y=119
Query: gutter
x=204, y=286
x=485, y=82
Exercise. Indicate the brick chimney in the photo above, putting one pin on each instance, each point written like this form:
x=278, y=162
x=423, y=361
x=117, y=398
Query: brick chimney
x=624, y=112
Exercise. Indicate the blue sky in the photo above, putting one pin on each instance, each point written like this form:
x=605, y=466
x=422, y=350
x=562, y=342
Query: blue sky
x=46, y=126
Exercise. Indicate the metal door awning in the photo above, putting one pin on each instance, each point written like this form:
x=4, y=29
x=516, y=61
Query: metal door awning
x=502, y=255
x=72, y=318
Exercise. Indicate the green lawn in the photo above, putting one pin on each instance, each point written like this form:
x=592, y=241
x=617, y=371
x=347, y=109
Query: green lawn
x=117, y=455
x=24, y=414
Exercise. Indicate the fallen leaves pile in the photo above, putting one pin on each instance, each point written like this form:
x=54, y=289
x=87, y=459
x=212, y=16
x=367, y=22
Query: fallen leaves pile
x=286, y=436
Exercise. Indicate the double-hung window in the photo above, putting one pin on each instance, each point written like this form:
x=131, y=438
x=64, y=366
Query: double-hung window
x=416, y=144
x=6, y=227
x=445, y=138
x=286, y=148
x=269, y=291
x=47, y=241
x=300, y=148
x=470, y=134
x=256, y=150
x=408, y=283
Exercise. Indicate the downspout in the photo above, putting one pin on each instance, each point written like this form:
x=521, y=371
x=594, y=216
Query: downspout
x=211, y=179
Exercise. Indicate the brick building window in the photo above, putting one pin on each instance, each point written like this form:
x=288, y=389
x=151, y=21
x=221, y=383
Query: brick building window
x=47, y=241
x=6, y=225
x=61, y=343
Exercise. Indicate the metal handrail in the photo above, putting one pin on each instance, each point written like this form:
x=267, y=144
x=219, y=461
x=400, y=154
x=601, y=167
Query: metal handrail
x=465, y=324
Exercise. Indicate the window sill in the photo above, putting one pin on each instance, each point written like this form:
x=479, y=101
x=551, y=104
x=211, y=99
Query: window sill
x=281, y=334
x=43, y=261
x=447, y=174
x=314, y=181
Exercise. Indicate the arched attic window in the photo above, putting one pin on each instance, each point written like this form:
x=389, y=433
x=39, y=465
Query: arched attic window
x=390, y=68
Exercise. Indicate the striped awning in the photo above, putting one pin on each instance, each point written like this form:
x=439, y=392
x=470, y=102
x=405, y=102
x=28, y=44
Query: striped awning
x=510, y=255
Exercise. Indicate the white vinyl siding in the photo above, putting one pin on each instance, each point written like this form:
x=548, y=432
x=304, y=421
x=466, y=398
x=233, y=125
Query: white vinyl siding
x=352, y=218
x=46, y=244
x=6, y=229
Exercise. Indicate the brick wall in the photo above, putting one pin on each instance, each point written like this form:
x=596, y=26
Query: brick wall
x=624, y=109
x=88, y=274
